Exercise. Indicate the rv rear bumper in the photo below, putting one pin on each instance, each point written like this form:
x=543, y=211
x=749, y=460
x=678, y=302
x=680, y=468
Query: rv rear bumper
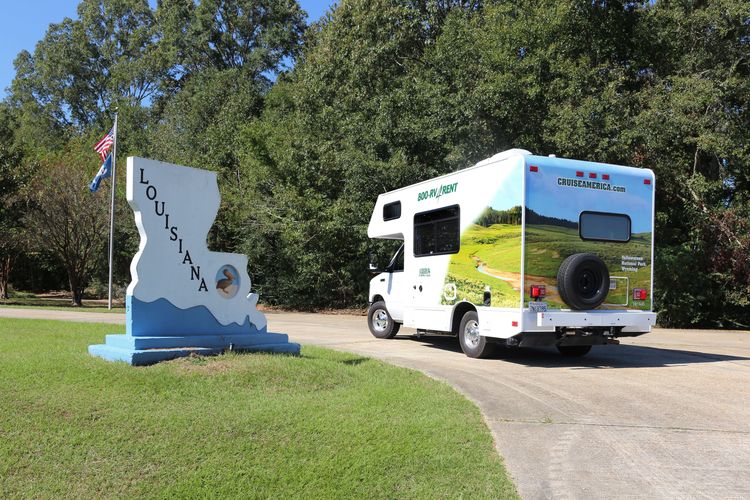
x=632, y=320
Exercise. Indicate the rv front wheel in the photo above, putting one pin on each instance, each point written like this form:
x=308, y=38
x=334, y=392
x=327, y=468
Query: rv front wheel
x=473, y=344
x=380, y=322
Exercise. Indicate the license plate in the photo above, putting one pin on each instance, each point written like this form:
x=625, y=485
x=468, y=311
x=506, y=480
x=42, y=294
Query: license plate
x=538, y=306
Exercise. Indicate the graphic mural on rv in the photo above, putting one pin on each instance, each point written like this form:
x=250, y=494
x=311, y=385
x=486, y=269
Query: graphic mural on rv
x=487, y=267
x=556, y=196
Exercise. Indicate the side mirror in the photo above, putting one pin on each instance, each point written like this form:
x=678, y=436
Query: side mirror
x=373, y=268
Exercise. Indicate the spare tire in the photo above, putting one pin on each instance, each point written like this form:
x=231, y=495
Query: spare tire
x=583, y=281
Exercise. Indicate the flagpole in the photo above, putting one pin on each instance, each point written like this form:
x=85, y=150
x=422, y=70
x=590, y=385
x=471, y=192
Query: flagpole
x=112, y=212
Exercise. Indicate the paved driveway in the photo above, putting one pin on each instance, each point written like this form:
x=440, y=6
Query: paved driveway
x=666, y=415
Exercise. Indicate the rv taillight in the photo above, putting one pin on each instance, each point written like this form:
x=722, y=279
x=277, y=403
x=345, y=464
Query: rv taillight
x=647, y=181
x=605, y=177
x=538, y=291
x=534, y=168
x=514, y=323
x=579, y=174
x=640, y=294
x=592, y=175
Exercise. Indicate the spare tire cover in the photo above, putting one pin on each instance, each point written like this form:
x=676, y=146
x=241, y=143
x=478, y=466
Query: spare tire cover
x=583, y=281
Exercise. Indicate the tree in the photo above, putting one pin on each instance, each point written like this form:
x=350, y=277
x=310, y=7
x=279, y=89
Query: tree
x=351, y=121
x=13, y=177
x=691, y=128
x=68, y=220
x=251, y=34
x=82, y=67
x=225, y=52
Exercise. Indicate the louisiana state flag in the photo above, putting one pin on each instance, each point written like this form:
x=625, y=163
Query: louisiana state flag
x=104, y=172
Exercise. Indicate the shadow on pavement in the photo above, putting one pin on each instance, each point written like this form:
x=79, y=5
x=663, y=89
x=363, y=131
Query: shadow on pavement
x=607, y=356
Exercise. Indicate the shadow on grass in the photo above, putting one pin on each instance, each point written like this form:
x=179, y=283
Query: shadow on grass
x=349, y=361
x=355, y=361
x=607, y=356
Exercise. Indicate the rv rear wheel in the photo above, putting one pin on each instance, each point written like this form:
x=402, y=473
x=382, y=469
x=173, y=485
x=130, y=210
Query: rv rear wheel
x=380, y=322
x=583, y=281
x=574, y=350
x=473, y=344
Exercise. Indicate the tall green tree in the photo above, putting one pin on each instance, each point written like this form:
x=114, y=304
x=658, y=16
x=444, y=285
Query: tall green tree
x=68, y=220
x=694, y=114
x=82, y=67
x=225, y=53
x=350, y=122
x=13, y=178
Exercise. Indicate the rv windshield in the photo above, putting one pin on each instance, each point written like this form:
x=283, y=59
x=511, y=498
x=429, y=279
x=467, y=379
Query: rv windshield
x=602, y=226
x=397, y=262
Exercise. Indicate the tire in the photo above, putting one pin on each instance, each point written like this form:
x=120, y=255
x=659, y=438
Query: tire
x=583, y=281
x=574, y=351
x=380, y=322
x=473, y=344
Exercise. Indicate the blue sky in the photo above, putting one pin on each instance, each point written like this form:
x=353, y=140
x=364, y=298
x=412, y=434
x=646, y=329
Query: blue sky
x=22, y=24
x=545, y=197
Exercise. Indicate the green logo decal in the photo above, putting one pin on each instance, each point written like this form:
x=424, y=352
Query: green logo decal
x=438, y=192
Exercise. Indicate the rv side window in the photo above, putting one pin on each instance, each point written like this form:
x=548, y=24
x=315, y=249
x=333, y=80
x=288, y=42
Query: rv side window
x=392, y=210
x=601, y=226
x=437, y=232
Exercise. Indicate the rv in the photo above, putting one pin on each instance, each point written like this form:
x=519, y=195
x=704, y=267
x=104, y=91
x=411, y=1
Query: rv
x=519, y=250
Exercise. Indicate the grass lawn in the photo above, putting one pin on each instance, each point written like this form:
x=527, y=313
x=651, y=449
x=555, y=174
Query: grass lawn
x=25, y=300
x=324, y=424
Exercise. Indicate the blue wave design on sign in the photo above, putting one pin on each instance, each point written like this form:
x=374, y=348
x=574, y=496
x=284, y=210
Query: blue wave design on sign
x=162, y=318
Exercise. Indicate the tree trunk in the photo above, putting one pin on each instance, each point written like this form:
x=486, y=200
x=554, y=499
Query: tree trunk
x=75, y=288
x=77, y=298
x=5, y=266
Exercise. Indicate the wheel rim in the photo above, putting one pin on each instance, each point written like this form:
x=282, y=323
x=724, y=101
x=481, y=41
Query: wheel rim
x=588, y=283
x=380, y=320
x=471, y=334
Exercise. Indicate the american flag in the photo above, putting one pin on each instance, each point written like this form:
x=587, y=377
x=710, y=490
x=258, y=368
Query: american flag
x=102, y=147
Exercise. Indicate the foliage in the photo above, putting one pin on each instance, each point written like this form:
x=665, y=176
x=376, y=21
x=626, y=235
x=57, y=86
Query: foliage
x=322, y=424
x=68, y=220
x=491, y=216
x=386, y=93
x=13, y=178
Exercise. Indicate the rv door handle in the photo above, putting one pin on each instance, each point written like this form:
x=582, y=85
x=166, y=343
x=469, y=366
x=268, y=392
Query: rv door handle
x=415, y=287
x=382, y=279
x=420, y=288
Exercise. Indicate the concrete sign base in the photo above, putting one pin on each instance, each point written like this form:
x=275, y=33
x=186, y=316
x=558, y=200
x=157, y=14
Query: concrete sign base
x=148, y=350
x=184, y=298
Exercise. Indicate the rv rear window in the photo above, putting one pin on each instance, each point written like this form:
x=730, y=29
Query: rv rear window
x=600, y=226
x=392, y=210
x=437, y=232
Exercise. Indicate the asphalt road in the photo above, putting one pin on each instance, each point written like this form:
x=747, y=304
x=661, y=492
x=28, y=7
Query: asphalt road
x=665, y=415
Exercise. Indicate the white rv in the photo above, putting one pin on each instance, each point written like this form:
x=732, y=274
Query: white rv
x=519, y=250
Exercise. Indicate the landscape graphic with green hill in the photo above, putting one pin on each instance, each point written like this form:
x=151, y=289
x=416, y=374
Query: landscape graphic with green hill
x=490, y=255
x=490, y=252
x=548, y=244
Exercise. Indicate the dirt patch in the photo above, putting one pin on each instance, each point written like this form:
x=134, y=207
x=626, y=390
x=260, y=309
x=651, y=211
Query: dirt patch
x=207, y=365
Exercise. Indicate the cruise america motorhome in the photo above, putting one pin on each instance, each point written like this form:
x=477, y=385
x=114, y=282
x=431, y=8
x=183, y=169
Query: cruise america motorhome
x=519, y=250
